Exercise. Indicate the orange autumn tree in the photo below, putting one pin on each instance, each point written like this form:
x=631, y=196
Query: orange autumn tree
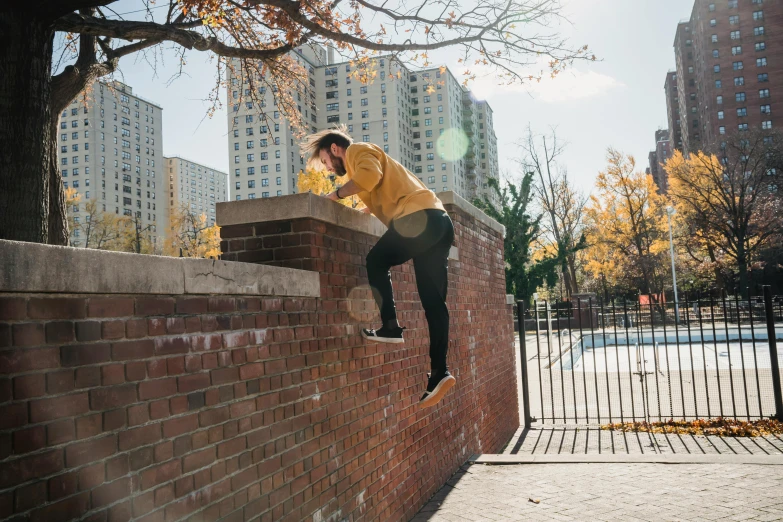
x=83, y=40
x=191, y=236
x=730, y=204
x=626, y=228
x=321, y=182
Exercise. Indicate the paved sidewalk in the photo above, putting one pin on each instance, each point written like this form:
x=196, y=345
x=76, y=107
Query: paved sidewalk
x=609, y=491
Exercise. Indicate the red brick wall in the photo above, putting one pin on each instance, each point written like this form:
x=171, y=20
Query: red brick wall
x=132, y=407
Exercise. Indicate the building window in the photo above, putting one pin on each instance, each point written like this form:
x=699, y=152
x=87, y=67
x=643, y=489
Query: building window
x=364, y=102
x=712, y=8
x=718, y=84
x=739, y=80
x=736, y=50
x=764, y=93
x=720, y=115
x=716, y=68
x=761, y=62
x=760, y=46
x=758, y=31
x=743, y=126
x=365, y=126
x=732, y=4
x=366, y=138
x=763, y=77
x=742, y=111
x=265, y=182
x=766, y=125
x=766, y=109
x=735, y=35
x=721, y=130
x=713, y=22
x=739, y=97
x=758, y=15
x=734, y=20
x=714, y=38
x=238, y=185
x=738, y=65
x=719, y=100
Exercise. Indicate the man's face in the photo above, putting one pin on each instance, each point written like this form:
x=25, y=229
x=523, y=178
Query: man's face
x=332, y=162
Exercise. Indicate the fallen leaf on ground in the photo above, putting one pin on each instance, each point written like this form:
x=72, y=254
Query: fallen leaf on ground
x=720, y=427
x=534, y=500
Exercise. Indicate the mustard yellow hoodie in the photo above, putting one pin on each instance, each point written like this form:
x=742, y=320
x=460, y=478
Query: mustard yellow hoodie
x=389, y=190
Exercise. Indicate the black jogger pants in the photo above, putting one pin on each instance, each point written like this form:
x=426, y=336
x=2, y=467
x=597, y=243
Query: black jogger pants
x=426, y=237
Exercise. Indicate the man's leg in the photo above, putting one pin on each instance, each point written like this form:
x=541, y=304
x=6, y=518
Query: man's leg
x=431, y=270
x=389, y=251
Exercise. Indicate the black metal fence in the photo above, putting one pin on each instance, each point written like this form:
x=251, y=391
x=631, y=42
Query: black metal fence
x=695, y=359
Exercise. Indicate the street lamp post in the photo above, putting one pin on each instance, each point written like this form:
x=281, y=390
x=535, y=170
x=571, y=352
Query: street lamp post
x=670, y=211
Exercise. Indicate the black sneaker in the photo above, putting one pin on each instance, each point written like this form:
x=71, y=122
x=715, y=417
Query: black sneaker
x=384, y=335
x=437, y=387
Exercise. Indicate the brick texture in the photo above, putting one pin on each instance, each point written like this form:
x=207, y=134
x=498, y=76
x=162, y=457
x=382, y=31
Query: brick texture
x=166, y=407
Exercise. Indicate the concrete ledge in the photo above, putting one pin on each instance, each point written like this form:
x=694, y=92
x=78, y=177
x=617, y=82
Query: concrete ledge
x=452, y=198
x=296, y=206
x=32, y=267
x=510, y=299
x=307, y=205
x=775, y=460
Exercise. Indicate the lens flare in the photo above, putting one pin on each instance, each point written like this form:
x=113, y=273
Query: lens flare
x=453, y=144
x=411, y=225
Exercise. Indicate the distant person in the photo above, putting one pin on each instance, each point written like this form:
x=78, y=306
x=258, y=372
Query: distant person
x=418, y=228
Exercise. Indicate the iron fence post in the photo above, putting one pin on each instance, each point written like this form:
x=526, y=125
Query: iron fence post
x=773, y=352
x=523, y=357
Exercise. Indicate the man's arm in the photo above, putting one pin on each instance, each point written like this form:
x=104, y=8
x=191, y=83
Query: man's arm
x=347, y=190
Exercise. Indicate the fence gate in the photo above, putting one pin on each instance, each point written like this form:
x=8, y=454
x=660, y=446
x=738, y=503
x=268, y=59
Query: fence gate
x=597, y=363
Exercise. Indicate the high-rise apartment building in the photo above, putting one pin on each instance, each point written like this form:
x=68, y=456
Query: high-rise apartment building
x=110, y=150
x=196, y=186
x=658, y=158
x=728, y=58
x=673, y=109
x=420, y=118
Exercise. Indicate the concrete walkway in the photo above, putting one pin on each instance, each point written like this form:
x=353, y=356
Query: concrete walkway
x=610, y=491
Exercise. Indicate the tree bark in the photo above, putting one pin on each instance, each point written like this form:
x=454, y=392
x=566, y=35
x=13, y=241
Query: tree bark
x=59, y=233
x=26, y=153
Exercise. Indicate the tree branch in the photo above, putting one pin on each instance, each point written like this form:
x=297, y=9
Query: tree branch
x=126, y=30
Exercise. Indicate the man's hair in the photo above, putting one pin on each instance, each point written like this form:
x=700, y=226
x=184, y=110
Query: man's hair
x=313, y=144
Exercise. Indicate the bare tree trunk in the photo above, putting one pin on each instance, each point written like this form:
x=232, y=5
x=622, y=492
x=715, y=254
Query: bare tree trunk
x=26, y=151
x=58, y=219
x=572, y=271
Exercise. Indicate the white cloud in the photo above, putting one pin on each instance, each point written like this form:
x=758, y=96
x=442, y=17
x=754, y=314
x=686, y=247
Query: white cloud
x=567, y=86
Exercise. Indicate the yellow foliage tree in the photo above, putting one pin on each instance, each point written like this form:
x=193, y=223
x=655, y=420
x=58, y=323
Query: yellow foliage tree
x=321, y=182
x=72, y=199
x=96, y=228
x=729, y=206
x=626, y=228
x=134, y=237
x=191, y=236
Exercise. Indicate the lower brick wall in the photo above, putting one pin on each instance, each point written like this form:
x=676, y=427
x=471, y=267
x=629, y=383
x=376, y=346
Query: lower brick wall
x=166, y=407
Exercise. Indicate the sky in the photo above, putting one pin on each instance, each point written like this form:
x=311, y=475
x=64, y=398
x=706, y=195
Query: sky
x=617, y=101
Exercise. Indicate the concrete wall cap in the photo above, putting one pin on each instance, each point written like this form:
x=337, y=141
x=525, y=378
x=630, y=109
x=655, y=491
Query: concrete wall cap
x=308, y=205
x=32, y=267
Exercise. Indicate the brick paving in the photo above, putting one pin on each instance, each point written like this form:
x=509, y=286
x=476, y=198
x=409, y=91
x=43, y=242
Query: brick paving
x=609, y=492
x=735, y=479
